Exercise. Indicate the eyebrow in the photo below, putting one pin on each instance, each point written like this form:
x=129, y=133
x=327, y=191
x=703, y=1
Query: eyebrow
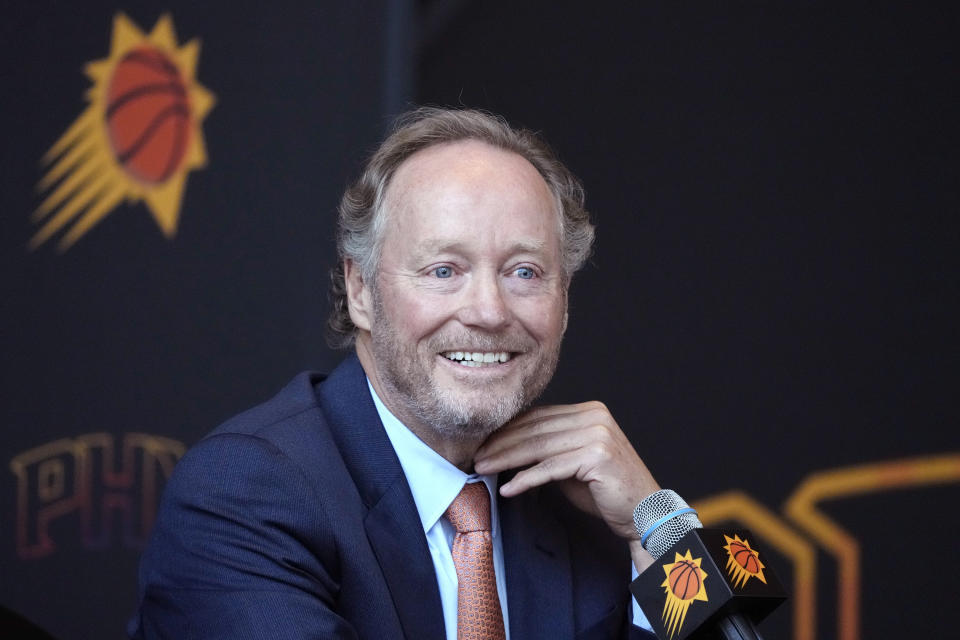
x=440, y=246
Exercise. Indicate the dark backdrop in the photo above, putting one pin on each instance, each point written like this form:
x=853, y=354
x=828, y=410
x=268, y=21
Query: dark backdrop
x=770, y=314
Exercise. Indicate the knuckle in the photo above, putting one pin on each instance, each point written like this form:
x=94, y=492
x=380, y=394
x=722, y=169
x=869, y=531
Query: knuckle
x=599, y=433
x=598, y=414
x=595, y=405
x=601, y=450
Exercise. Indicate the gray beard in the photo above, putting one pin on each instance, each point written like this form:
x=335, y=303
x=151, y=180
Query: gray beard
x=430, y=406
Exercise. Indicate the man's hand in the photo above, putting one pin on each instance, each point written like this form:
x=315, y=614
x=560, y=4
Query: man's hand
x=581, y=447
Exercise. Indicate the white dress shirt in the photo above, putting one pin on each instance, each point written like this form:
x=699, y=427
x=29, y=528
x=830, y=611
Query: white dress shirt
x=434, y=483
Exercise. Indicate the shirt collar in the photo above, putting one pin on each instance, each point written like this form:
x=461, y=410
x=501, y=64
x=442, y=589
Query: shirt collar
x=434, y=481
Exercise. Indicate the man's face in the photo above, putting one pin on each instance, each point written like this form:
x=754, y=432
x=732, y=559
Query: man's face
x=466, y=315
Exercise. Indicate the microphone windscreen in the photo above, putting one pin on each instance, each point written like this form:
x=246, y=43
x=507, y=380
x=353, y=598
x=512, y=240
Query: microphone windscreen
x=656, y=507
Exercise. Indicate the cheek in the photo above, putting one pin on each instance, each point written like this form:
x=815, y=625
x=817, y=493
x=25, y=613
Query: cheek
x=543, y=320
x=413, y=316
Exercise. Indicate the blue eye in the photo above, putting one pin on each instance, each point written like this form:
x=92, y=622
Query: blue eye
x=443, y=272
x=525, y=272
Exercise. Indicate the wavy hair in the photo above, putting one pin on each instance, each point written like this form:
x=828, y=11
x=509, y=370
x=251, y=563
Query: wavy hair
x=362, y=216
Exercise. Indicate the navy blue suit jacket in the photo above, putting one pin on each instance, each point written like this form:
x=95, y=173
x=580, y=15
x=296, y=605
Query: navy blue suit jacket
x=294, y=520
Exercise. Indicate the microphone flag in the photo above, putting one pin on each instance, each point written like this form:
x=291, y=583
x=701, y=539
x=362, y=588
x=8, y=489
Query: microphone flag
x=706, y=577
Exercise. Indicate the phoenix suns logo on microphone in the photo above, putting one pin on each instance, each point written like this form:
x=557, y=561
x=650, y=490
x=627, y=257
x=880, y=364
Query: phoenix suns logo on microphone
x=136, y=141
x=743, y=562
x=684, y=585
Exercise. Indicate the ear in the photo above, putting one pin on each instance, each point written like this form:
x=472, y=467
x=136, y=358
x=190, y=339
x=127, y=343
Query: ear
x=566, y=307
x=359, y=296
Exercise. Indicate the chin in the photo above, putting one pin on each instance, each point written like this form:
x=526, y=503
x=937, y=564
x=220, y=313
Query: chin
x=473, y=418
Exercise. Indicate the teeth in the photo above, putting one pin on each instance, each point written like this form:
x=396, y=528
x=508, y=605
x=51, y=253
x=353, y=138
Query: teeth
x=476, y=358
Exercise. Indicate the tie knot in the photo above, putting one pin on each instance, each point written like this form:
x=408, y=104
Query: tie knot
x=470, y=510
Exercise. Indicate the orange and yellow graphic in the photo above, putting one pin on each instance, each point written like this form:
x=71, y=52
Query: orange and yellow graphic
x=743, y=562
x=136, y=141
x=683, y=585
x=105, y=486
x=808, y=529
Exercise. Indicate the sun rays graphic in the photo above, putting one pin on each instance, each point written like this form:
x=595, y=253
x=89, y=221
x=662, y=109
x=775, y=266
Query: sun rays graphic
x=684, y=585
x=743, y=562
x=137, y=139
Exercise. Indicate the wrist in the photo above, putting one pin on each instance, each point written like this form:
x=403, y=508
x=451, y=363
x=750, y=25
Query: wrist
x=640, y=556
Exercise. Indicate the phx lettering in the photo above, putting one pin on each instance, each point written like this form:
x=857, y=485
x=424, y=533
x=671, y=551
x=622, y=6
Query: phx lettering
x=88, y=486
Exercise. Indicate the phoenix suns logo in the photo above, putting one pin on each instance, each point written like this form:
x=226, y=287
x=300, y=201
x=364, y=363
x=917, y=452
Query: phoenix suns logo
x=683, y=585
x=136, y=141
x=743, y=562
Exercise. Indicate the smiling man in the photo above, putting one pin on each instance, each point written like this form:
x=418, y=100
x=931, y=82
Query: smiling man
x=414, y=492
x=460, y=325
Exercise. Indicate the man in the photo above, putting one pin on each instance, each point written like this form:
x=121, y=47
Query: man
x=334, y=510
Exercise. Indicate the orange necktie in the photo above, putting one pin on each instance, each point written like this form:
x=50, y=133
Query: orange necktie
x=479, y=616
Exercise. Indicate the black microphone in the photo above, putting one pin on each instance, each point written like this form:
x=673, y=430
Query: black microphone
x=704, y=583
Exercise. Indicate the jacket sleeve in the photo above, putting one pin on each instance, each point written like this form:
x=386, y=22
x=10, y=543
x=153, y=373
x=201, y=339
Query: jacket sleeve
x=240, y=550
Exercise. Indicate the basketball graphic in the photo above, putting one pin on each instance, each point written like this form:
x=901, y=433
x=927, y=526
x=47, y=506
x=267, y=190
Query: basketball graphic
x=148, y=115
x=684, y=585
x=684, y=580
x=137, y=139
x=743, y=562
x=744, y=557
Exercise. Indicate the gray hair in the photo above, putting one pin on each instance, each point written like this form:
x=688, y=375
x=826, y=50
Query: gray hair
x=362, y=219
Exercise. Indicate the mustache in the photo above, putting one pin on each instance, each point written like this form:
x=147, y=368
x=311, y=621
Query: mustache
x=479, y=341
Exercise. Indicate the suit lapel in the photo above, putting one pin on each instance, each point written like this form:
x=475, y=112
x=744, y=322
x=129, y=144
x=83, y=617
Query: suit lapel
x=396, y=535
x=537, y=562
x=393, y=527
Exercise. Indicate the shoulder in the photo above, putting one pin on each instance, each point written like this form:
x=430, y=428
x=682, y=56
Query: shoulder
x=295, y=443
x=254, y=477
x=310, y=400
x=270, y=447
x=296, y=398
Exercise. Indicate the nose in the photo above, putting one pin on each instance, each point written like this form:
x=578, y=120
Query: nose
x=484, y=305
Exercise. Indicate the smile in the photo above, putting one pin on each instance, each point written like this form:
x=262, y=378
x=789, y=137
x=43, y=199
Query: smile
x=477, y=358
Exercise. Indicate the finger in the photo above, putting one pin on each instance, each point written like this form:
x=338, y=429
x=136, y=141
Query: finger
x=538, y=414
x=552, y=423
x=533, y=448
x=572, y=464
x=544, y=437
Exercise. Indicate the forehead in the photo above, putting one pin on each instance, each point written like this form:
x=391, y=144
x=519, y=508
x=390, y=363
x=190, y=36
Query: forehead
x=446, y=186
